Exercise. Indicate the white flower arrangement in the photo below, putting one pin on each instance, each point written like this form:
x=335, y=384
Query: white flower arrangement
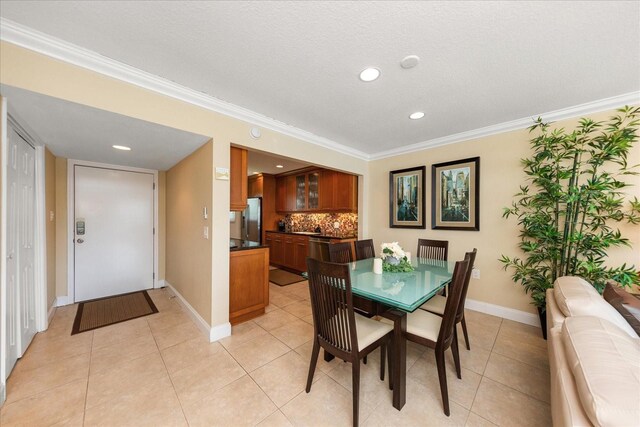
x=394, y=259
x=392, y=249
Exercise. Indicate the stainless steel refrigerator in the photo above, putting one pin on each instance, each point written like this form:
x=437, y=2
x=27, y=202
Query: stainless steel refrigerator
x=252, y=220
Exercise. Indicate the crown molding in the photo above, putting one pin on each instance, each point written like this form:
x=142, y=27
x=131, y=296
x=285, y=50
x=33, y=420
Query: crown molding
x=53, y=47
x=631, y=98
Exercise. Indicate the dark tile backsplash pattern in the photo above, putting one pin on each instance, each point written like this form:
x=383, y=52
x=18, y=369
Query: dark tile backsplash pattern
x=308, y=222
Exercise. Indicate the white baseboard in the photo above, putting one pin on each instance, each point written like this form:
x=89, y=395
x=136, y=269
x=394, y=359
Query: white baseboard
x=220, y=331
x=52, y=311
x=504, y=312
x=62, y=301
x=212, y=333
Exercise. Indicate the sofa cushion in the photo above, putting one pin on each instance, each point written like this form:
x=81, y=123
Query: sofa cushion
x=605, y=362
x=566, y=407
x=625, y=303
x=577, y=297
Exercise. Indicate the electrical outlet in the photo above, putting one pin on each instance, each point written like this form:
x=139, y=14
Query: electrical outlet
x=475, y=273
x=205, y=233
x=51, y=216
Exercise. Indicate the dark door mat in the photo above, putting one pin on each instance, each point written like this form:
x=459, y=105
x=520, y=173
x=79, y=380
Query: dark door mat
x=284, y=278
x=102, y=312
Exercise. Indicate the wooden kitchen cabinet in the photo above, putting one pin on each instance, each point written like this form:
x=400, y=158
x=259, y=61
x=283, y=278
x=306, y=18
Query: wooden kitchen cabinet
x=288, y=250
x=301, y=252
x=290, y=182
x=317, y=191
x=238, y=179
x=338, y=191
x=248, y=284
x=276, y=248
x=281, y=194
x=345, y=192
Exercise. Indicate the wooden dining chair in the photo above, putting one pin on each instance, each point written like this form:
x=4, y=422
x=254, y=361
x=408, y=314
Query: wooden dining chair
x=437, y=303
x=337, y=328
x=365, y=249
x=340, y=253
x=433, y=249
x=436, y=332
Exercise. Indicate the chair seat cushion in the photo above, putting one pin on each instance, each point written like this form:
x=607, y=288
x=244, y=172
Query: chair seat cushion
x=424, y=324
x=577, y=297
x=605, y=363
x=435, y=304
x=369, y=330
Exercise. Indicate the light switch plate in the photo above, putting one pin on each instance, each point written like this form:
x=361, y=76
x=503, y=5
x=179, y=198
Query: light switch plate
x=205, y=233
x=475, y=273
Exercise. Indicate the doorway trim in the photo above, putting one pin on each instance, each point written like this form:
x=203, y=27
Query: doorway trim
x=71, y=163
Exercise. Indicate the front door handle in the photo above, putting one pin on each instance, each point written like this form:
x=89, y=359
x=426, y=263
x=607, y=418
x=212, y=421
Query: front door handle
x=80, y=241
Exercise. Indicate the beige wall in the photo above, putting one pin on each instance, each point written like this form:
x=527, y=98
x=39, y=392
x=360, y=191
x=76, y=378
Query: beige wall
x=61, y=226
x=188, y=253
x=28, y=70
x=500, y=175
x=162, y=223
x=51, y=220
x=499, y=167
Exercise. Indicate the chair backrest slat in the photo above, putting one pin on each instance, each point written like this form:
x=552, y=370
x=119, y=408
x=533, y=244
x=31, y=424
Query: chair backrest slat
x=456, y=286
x=365, y=249
x=332, y=305
x=340, y=253
x=433, y=249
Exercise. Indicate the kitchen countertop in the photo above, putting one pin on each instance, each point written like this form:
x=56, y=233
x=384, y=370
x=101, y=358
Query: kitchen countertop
x=240, y=245
x=338, y=236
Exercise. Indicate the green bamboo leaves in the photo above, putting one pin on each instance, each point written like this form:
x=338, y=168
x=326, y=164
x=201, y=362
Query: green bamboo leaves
x=574, y=196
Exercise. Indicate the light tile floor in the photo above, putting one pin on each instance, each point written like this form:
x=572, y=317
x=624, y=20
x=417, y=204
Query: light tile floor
x=159, y=370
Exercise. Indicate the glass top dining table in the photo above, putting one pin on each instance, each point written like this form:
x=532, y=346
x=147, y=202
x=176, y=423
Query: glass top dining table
x=403, y=291
x=397, y=295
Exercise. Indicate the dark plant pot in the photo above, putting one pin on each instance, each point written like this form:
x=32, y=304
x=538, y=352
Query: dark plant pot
x=543, y=321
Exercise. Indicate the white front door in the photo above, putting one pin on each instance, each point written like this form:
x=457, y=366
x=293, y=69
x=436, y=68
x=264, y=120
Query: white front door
x=113, y=226
x=21, y=325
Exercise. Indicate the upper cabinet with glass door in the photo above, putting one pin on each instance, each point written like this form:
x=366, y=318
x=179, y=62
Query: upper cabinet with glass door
x=318, y=190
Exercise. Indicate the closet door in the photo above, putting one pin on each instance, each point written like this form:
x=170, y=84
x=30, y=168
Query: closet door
x=26, y=256
x=20, y=320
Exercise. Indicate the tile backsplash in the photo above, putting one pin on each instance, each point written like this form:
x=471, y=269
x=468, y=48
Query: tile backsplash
x=308, y=222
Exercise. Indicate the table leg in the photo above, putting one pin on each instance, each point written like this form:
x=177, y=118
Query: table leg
x=399, y=359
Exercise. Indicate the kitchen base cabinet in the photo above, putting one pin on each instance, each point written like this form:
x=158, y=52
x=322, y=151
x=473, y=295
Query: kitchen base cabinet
x=248, y=284
x=288, y=251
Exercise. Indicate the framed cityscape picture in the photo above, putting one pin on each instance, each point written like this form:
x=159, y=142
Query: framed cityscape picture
x=455, y=195
x=406, y=198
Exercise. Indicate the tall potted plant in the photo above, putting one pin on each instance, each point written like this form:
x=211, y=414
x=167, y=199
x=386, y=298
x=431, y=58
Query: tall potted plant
x=574, y=197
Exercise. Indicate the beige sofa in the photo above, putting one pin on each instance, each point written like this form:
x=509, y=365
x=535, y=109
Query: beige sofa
x=594, y=356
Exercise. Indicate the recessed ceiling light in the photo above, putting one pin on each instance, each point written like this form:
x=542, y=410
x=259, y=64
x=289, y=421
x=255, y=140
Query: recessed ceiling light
x=279, y=166
x=417, y=115
x=121, y=147
x=369, y=74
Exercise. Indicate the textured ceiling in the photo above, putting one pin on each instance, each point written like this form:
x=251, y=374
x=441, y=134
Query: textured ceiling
x=79, y=132
x=261, y=162
x=483, y=63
